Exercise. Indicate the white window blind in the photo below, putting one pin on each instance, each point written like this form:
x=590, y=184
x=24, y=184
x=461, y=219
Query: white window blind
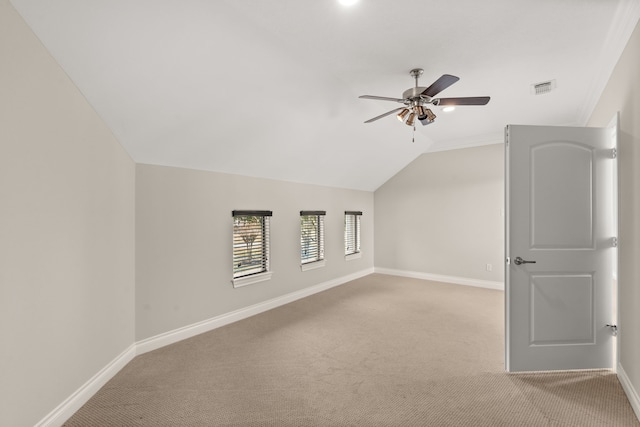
x=311, y=236
x=250, y=242
x=352, y=232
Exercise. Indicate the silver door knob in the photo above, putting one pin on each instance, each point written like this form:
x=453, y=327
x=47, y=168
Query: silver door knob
x=519, y=261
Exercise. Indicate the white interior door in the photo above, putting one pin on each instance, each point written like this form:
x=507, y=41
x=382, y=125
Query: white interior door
x=561, y=237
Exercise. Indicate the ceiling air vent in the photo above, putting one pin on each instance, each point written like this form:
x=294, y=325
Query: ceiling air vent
x=543, y=87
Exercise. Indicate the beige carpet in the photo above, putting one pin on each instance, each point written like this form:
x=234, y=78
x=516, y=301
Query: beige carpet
x=378, y=351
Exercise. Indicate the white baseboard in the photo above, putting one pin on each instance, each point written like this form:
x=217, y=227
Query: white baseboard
x=74, y=402
x=440, y=278
x=629, y=390
x=189, y=331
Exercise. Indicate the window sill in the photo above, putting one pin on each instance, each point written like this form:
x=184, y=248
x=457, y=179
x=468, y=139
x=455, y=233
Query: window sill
x=312, y=265
x=250, y=280
x=353, y=256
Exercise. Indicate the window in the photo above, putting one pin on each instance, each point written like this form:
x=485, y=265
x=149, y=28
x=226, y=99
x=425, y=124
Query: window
x=312, y=239
x=250, y=247
x=352, y=234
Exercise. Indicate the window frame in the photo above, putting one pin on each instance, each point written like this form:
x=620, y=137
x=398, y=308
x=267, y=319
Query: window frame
x=319, y=260
x=352, y=239
x=247, y=277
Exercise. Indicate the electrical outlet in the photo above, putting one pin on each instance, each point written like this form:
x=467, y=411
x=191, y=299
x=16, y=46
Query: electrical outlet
x=489, y=267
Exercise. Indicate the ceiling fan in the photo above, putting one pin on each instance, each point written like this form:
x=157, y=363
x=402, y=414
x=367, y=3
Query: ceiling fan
x=416, y=98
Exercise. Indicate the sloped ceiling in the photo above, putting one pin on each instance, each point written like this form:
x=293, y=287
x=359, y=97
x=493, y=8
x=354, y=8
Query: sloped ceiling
x=270, y=88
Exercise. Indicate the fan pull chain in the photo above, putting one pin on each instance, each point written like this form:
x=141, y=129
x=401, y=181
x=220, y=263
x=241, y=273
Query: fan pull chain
x=413, y=139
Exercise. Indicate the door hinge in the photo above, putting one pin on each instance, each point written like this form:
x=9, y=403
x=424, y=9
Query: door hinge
x=614, y=242
x=614, y=153
x=614, y=329
x=506, y=134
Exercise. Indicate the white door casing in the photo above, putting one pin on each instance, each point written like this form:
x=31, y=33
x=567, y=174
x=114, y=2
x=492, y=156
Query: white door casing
x=561, y=212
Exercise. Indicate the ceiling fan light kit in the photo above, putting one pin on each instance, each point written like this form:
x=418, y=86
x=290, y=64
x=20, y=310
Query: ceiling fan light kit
x=429, y=115
x=417, y=97
x=411, y=120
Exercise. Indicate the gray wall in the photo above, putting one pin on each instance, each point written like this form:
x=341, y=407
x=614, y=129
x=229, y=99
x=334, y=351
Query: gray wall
x=184, y=232
x=443, y=214
x=622, y=94
x=66, y=233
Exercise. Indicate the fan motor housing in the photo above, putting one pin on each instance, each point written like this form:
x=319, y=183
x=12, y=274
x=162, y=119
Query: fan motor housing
x=415, y=92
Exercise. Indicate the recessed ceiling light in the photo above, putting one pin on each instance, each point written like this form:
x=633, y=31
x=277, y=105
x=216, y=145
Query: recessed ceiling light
x=347, y=2
x=448, y=109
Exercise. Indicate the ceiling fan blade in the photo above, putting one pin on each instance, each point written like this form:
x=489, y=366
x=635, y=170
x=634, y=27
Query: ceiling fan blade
x=439, y=85
x=381, y=98
x=473, y=100
x=384, y=115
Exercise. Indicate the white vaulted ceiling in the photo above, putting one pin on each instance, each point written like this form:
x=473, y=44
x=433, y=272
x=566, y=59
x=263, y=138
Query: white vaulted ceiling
x=270, y=88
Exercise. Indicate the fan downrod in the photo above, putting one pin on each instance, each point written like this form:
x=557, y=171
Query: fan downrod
x=414, y=93
x=416, y=73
